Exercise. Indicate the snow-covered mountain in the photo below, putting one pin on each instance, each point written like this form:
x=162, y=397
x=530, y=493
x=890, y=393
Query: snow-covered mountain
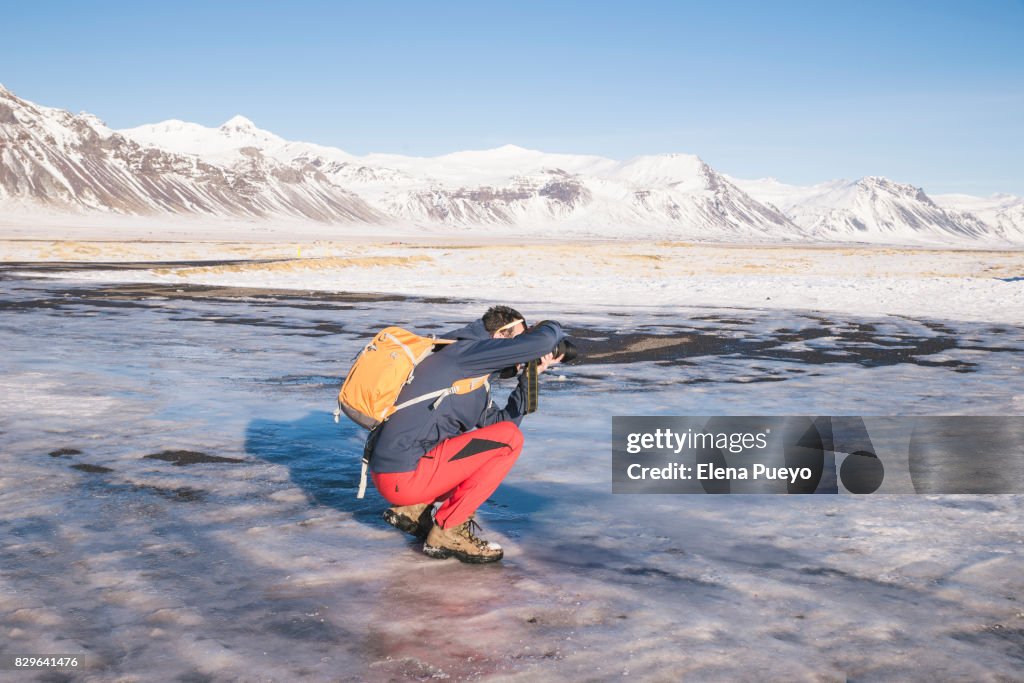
x=582, y=195
x=54, y=159
x=1002, y=211
x=666, y=195
x=182, y=137
x=51, y=158
x=872, y=209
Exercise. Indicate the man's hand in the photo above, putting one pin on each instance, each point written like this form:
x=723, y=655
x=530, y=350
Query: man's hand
x=547, y=361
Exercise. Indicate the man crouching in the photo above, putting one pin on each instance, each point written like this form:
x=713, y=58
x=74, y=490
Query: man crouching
x=457, y=450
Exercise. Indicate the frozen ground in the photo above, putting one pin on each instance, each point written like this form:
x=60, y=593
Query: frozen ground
x=240, y=553
x=977, y=285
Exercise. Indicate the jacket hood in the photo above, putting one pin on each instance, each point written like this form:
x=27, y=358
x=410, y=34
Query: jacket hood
x=475, y=331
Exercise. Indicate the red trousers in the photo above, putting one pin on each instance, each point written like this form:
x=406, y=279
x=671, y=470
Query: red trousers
x=463, y=471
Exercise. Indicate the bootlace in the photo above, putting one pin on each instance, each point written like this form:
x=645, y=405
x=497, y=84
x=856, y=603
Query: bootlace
x=467, y=529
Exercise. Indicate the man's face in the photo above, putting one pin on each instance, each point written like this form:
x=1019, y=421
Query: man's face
x=510, y=332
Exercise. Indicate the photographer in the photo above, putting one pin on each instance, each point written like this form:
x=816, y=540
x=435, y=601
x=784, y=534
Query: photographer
x=457, y=450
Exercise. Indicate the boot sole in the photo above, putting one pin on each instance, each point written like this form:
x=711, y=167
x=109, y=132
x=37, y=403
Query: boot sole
x=445, y=553
x=405, y=524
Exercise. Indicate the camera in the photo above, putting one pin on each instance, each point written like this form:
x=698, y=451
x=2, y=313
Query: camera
x=564, y=348
x=567, y=349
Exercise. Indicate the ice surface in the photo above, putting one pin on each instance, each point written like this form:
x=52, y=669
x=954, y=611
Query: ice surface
x=270, y=569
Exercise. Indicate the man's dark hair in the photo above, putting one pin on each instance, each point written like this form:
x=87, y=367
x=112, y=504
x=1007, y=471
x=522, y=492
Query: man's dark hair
x=497, y=317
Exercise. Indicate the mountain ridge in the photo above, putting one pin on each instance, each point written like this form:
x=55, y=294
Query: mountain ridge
x=52, y=158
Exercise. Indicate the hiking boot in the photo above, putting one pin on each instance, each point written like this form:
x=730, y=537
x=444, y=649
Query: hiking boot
x=412, y=519
x=461, y=543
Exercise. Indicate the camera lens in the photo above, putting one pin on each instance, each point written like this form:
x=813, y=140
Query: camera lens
x=567, y=349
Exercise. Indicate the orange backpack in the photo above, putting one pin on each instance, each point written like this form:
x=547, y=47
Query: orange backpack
x=381, y=370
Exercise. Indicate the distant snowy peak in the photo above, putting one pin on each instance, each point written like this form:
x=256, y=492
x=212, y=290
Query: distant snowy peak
x=33, y=124
x=879, y=186
x=682, y=171
x=881, y=209
x=244, y=133
x=183, y=137
x=238, y=123
x=995, y=202
x=1002, y=211
x=784, y=196
x=873, y=209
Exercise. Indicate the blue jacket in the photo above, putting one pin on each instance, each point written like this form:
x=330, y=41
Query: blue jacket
x=411, y=432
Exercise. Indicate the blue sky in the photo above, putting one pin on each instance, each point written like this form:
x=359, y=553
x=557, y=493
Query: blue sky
x=930, y=93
